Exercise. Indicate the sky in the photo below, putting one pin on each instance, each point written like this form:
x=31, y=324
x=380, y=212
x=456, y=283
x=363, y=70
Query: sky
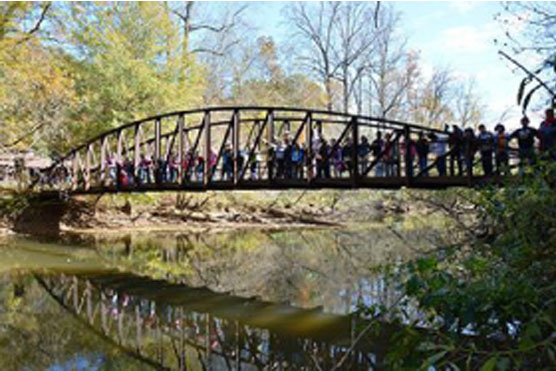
x=455, y=34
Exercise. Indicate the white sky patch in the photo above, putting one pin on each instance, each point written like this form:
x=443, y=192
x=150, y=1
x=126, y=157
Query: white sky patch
x=427, y=69
x=462, y=6
x=467, y=39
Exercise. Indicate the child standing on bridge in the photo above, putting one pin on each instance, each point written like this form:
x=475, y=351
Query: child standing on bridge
x=501, y=150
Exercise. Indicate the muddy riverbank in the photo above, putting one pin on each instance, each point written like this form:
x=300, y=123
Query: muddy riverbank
x=213, y=211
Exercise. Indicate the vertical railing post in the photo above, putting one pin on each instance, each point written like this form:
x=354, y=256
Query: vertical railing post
x=309, y=149
x=269, y=124
x=236, y=144
x=137, y=154
x=119, y=159
x=156, y=159
x=74, y=176
x=407, y=154
x=355, y=154
x=180, y=148
x=103, y=144
x=207, y=169
x=88, y=166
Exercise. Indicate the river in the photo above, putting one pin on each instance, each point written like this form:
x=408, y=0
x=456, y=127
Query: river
x=246, y=299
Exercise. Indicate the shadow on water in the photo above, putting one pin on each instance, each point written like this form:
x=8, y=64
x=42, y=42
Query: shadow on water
x=247, y=300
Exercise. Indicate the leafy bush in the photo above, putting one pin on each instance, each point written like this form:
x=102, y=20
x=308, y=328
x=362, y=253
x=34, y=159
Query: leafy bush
x=488, y=303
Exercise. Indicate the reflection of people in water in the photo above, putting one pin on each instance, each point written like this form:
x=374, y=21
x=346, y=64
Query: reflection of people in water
x=19, y=290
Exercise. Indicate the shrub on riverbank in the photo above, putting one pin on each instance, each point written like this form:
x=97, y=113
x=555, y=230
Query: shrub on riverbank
x=488, y=303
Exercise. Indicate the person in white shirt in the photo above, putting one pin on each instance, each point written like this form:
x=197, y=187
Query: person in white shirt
x=438, y=149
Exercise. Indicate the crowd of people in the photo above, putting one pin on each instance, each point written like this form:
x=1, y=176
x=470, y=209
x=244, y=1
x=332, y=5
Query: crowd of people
x=453, y=152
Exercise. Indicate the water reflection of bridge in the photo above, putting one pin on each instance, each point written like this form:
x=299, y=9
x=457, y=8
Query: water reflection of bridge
x=172, y=326
x=294, y=274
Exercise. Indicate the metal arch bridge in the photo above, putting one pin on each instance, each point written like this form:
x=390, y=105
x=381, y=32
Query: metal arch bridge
x=175, y=143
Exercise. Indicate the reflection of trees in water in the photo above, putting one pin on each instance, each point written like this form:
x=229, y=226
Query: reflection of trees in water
x=163, y=331
x=36, y=334
x=307, y=268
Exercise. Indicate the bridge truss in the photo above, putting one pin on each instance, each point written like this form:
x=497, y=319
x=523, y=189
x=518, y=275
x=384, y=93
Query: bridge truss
x=238, y=148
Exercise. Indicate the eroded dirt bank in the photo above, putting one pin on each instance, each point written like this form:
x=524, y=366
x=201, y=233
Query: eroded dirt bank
x=222, y=210
x=212, y=211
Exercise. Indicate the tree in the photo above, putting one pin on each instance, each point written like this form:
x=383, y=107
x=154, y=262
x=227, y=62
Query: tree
x=530, y=30
x=216, y=36
x=21, y=21
x=203, y=34
x=266, y=83
x=488, y=302
x=468, y=109
x=431, y=103
x=393, y=71
x=357, y=40
x=35, y=89
x=128, y=66
x=333, y=38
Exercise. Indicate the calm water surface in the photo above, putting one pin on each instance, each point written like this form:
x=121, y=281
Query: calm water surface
x=246, y=300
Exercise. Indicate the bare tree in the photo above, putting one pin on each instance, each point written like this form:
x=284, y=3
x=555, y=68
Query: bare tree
x=393, y=70
x=333, y=38
x=315, y=29
x=530, y=30
x=468, y=109
x=216, y=36
x=357, y=38
x=196, y=27
x=431, y=105
x=537, y=26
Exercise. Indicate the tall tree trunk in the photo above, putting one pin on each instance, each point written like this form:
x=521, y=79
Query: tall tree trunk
x=328, y=94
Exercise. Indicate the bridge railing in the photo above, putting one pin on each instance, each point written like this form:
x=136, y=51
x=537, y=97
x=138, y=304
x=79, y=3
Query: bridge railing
x=246, y=147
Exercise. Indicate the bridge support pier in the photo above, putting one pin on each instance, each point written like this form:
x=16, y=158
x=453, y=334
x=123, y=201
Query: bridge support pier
x=41, y=217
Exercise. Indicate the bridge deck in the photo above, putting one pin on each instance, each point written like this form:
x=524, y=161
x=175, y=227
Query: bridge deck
x=382, y=183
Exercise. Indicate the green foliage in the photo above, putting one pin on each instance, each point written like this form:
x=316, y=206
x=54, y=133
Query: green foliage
x=129, y=66
x=12, y=203
x=111, y=63
x=489, y=304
